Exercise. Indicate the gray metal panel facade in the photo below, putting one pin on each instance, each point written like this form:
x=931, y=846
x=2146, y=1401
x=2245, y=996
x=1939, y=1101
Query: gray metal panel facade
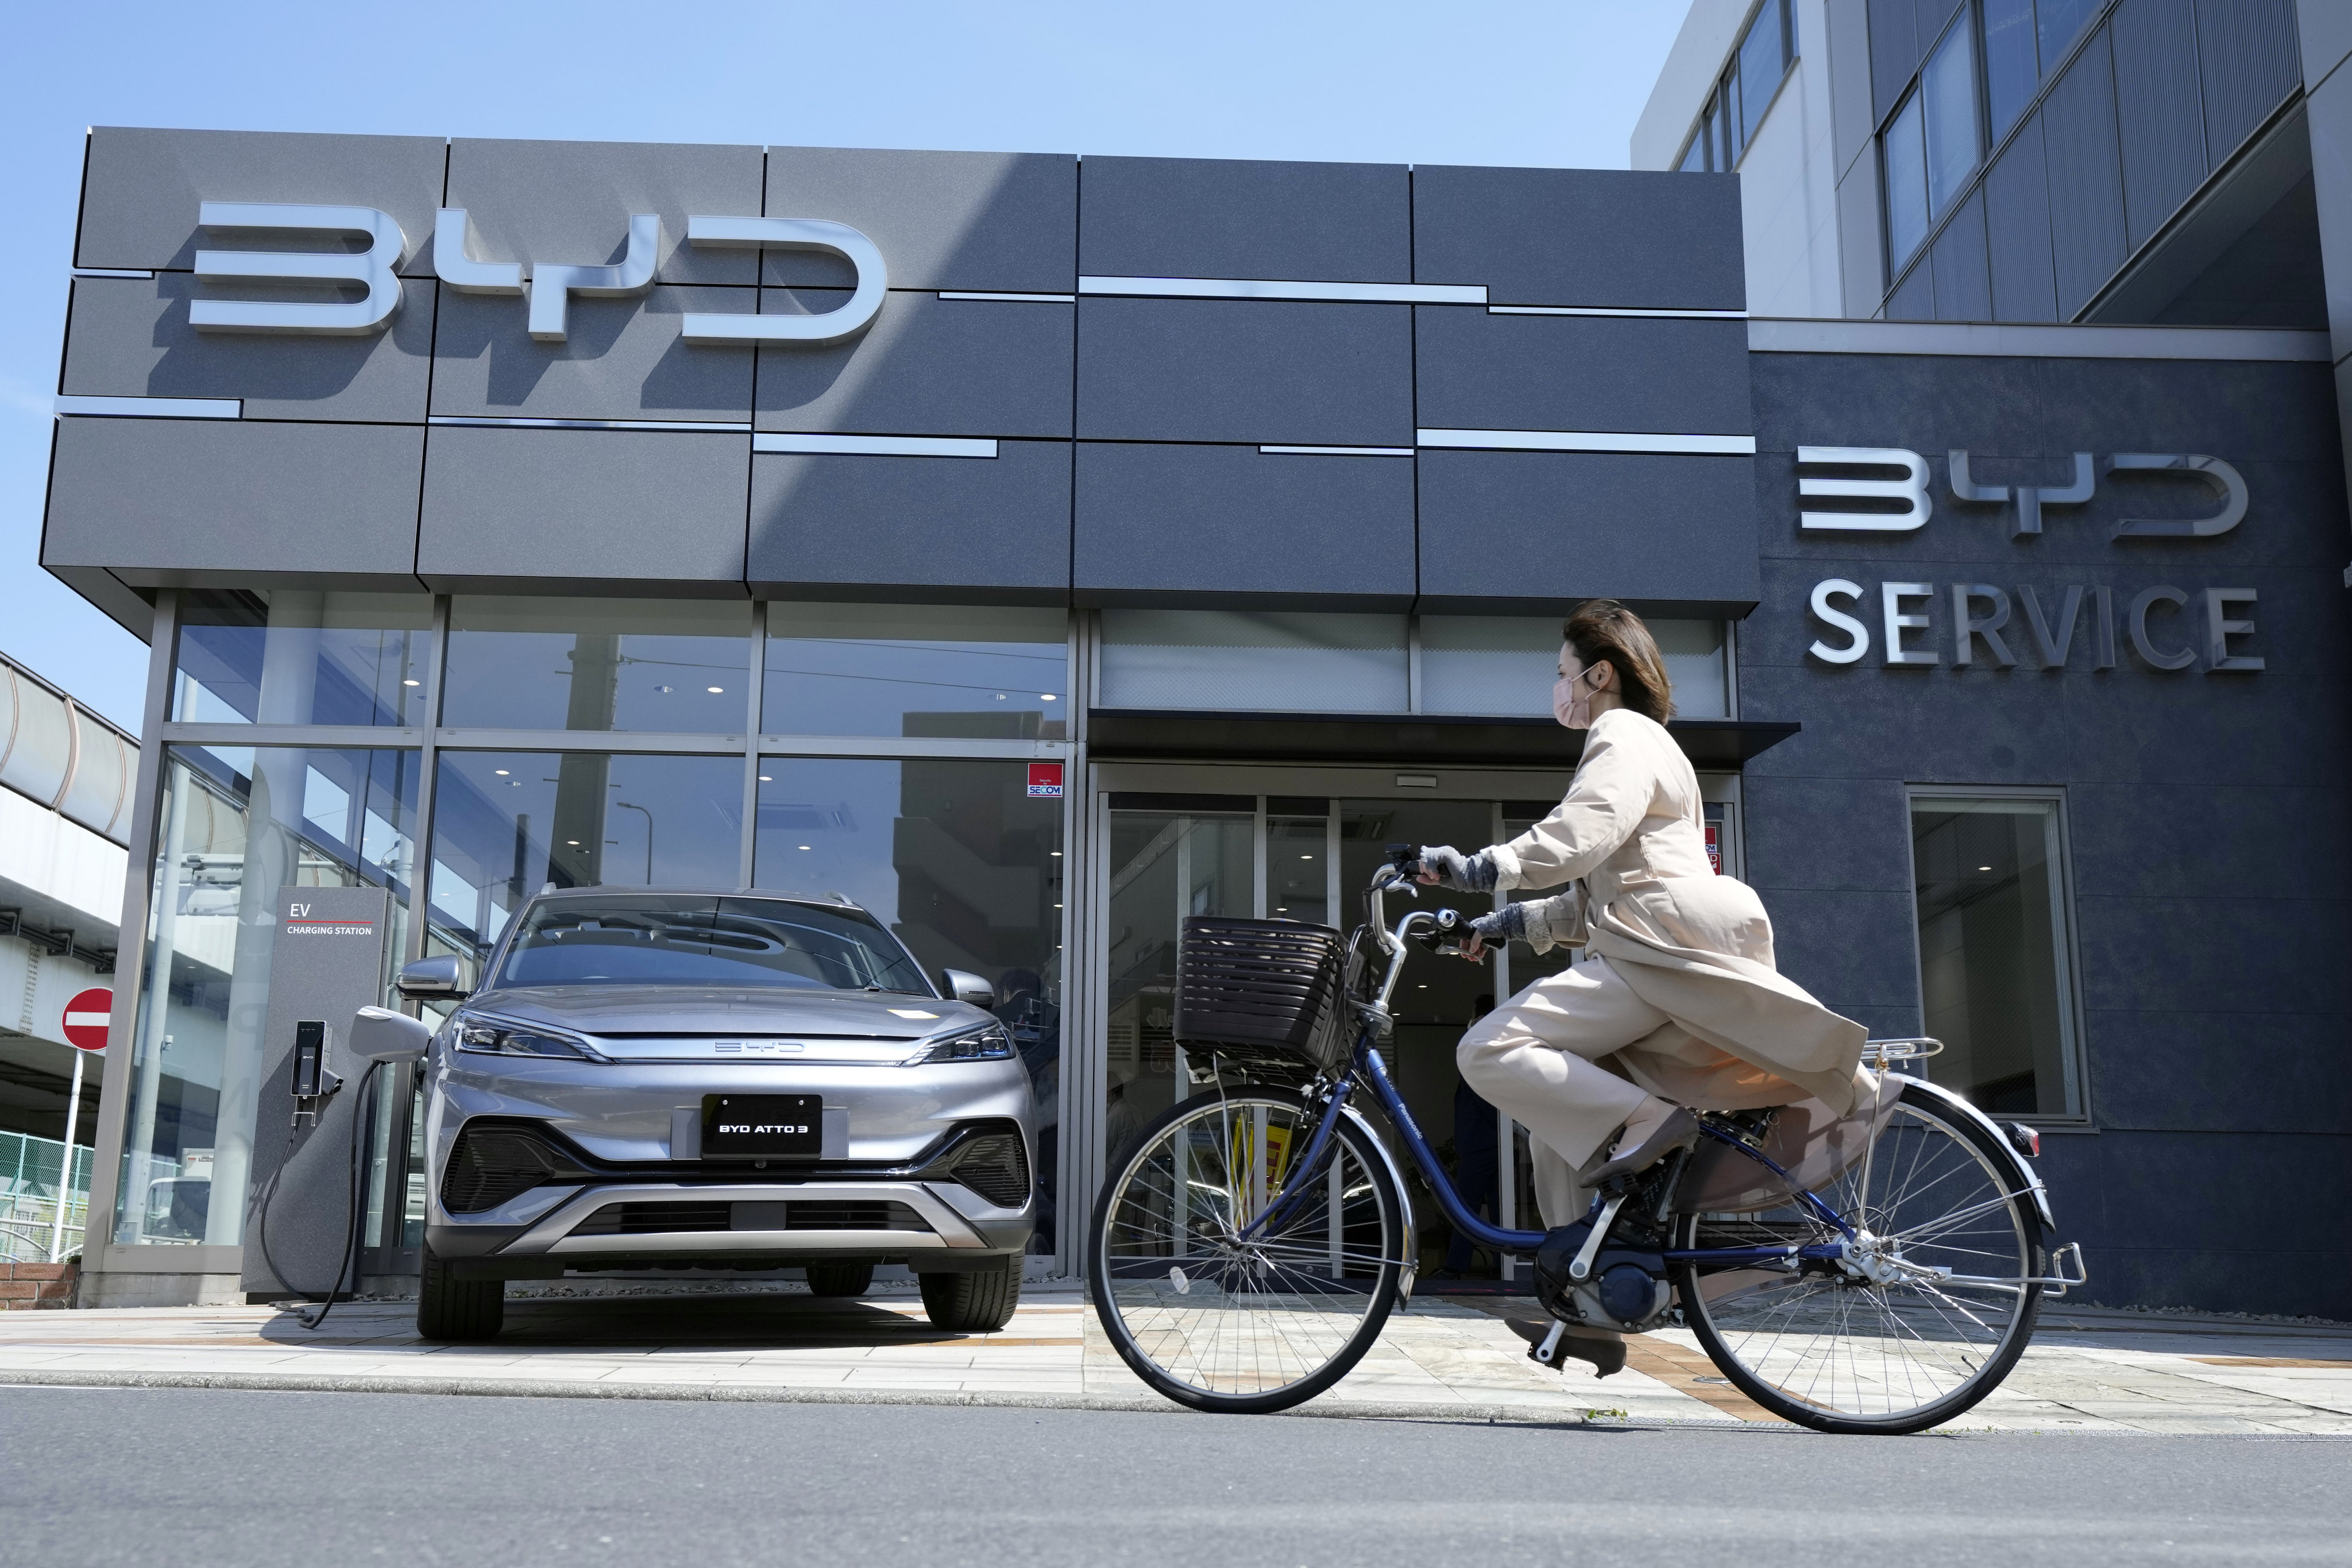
x=164, y=502
x=927, y=366
x=1581, y=236
x=2017, y=224
x=130, y=337
x=1166, y=524
x=2252, y=63
x=1474, y=371
x=569, y=203
x=987, y=529
x=141, y=189
x=1913, y=298
x=987, y=222
x=1963, y=279
x=1246, y=371
x=1210, y=217
x=1534, y=529
x=2086, y=196
x=643, y=511
x=1894, y=51
x=2158, y=111
x=621, y=359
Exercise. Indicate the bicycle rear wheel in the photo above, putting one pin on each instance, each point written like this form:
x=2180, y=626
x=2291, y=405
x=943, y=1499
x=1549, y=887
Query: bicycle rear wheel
x=1930, y=1324
x=1222, y=1320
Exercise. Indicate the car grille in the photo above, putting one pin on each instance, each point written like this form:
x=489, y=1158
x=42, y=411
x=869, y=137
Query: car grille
x=663, y=1218
x=492, y=1163
x=995, y=1166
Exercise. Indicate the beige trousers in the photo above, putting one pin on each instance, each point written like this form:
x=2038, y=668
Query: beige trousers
x=1533, y=1058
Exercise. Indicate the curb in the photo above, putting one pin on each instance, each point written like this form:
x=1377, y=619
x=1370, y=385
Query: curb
x=753, y=1393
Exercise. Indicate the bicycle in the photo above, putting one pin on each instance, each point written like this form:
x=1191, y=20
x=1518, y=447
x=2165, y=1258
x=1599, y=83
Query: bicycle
x=1878, y=1273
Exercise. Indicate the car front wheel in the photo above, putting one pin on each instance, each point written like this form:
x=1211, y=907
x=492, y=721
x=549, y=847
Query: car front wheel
x=977, y=1303
x=451, y=1309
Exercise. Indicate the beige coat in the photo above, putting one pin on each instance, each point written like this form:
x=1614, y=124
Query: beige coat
x=1698, y=947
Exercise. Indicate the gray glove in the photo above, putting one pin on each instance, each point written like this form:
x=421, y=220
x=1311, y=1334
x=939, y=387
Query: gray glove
x=1463, y=873
x=1509, y=923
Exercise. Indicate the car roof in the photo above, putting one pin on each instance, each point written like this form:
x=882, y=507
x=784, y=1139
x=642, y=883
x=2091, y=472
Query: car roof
x=828, y=902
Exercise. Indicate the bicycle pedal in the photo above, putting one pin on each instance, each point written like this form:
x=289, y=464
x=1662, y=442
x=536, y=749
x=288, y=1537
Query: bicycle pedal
x=1554, y=1344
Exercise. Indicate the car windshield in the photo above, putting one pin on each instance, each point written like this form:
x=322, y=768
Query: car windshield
x=682, y=939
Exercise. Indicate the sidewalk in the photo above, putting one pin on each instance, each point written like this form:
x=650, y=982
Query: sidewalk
x=2088, y=1370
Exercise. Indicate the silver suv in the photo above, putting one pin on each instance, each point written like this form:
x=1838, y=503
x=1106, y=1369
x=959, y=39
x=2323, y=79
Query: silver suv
x=672, y=1081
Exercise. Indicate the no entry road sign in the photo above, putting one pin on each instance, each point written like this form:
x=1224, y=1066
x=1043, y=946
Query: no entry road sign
x=86, y=1017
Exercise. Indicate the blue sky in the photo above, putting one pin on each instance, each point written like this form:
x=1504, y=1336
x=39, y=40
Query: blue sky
x=1559, y=83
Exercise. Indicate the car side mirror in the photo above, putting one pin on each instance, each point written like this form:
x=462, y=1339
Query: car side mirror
x=379, y=1035
x=965, y=986
x=443, y=977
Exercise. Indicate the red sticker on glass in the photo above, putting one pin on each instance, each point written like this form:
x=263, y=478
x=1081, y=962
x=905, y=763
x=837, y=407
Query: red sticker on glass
x=1046, y=780
x=1713, y=844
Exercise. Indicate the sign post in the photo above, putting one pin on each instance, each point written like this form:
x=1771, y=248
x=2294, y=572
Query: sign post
x=86, y=1020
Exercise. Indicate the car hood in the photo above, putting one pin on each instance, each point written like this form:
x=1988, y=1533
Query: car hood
x=610, y=1011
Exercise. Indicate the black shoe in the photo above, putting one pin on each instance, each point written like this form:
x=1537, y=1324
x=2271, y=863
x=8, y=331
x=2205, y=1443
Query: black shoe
x=1674, y=1132
x=1604, y=1350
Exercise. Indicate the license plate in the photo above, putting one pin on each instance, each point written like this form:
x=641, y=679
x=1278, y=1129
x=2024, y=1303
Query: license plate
x=762, y=1126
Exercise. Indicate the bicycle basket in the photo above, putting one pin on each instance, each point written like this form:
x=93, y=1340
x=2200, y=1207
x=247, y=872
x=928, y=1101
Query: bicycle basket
x=1262, y=995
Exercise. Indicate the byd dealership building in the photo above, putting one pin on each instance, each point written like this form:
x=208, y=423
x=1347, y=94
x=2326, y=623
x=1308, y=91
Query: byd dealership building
x=1035, y=551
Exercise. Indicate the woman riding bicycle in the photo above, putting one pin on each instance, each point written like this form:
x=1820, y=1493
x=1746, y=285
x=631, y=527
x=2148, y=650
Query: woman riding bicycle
x=1673, y=1001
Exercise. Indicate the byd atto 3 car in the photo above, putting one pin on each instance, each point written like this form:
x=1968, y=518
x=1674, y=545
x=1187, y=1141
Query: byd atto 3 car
x=683, y=1081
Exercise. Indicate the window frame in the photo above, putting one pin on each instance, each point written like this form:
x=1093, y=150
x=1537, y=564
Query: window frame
x=2066, y=946
x=1727, y=93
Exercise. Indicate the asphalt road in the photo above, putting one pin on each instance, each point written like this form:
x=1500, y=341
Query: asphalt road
x=202, y=1477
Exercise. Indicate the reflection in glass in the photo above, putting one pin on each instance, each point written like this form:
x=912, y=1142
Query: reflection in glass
x=1763, y=60
x=1995, y=983
x=1280, y=662
x=286, y=655
x=990, y=672
x=1163, y=867
x=2012, y=74
x=1506, y=663
x=962, y=864
x=2061, y=23
x=507, y=823
x=1948, y=88
x=678, y=664
x=1905, y=149
x=236, y=825
x=1298, y=863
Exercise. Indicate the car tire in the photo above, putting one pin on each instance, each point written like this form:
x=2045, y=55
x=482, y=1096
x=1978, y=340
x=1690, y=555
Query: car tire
x=977, y=1303
x=840, y=1278
x=451, y=1308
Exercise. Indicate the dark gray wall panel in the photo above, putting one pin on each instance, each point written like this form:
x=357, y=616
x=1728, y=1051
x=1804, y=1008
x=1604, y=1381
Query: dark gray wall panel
x=1538, y=528
x=1913, y=298
x=2157, y=111
x=1894, y=51
x=583, y=510
x=1581, y=236
x=988, y=222
x=1478, y=371
x=1164, y=524
x=569, y=203
x=1246, y=371
x=129, y=337
x=2087, y=194
x=914, y=528
x=176, y=502
x=2250, y=61
x=1963, y=282
x=927, y=366
x=1934, y=16
x=1219, y=218
x=623, y=359
x=141, y=189
x=2017, y=231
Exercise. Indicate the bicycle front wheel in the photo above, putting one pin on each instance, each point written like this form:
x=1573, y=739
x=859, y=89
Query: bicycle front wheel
x=1931, y=1315
x=1221, y=1313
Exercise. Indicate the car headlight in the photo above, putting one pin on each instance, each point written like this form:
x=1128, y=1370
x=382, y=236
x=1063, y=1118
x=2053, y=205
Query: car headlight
x=989, y=1042
x=494, y=1036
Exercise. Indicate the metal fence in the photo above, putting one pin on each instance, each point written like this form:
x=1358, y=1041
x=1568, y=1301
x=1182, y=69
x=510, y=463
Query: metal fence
x=31, y=1195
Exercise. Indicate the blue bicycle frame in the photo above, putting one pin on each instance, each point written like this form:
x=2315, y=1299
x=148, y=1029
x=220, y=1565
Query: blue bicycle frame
x=1367, y=1068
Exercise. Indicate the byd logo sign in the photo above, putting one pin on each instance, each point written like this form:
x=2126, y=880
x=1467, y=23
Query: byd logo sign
x=549, y=287
x=1886, y=489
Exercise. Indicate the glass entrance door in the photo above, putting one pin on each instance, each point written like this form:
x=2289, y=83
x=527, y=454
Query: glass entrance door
x=1169, y=841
